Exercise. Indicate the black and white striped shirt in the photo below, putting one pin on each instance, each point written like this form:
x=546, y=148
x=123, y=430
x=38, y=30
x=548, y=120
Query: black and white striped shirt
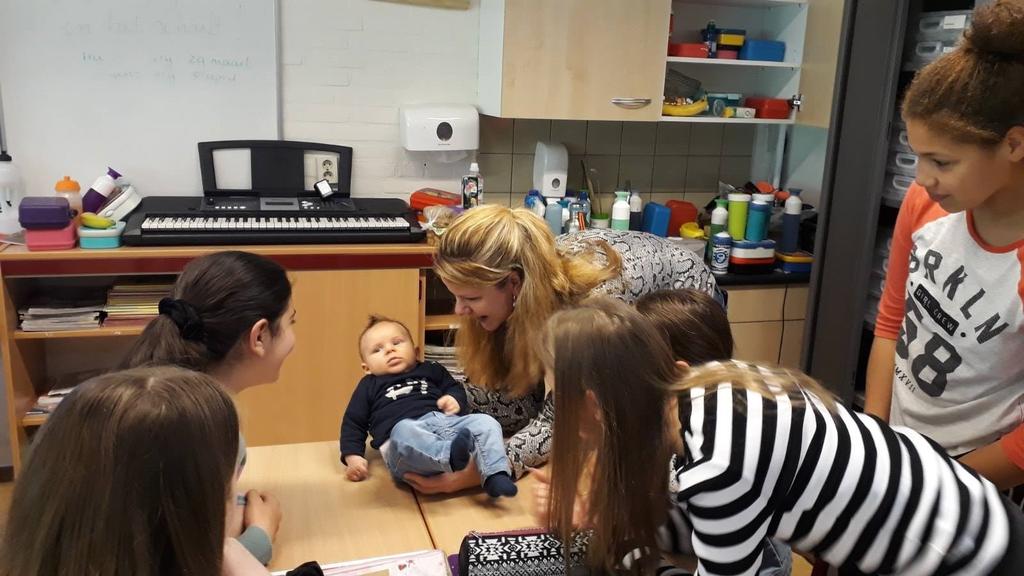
x=838, y=484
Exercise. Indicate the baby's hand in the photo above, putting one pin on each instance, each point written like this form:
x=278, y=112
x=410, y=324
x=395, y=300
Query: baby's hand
x=358, y=468
x=448, y=404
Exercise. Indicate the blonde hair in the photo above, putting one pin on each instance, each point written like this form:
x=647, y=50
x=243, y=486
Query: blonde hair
x=764, y=380
x=484, y=247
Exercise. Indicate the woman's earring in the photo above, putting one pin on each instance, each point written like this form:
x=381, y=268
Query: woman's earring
x=515, y=297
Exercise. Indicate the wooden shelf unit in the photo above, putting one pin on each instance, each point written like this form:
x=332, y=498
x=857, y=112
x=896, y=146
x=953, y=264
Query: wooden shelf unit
x=335, y=288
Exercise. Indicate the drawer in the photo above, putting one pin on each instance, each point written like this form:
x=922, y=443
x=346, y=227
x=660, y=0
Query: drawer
x=757, y=341
x=756, y=304
x=796, y=303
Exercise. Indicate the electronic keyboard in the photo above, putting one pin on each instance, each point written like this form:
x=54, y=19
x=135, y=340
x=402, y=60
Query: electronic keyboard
x=177, y=221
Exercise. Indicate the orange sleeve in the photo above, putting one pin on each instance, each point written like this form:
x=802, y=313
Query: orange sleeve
x=1013, y=446
x=890, y=309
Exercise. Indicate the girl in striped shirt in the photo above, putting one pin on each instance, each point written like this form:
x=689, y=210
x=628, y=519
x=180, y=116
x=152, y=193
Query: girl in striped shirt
x=767, y=453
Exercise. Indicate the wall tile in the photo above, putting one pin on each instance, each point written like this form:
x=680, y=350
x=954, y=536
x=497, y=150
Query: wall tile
x=604, y=138
x=495, y=135
x=639, y=171
x=522, y=173
x=527, y=133
x=706, y=140
x=669, y=174
x=673, y=139
x=497, y=172
x=702, y=174
x=638, y=138
x=735, y=170
x=738, y=139
x=572, y=133
x=502, y=199
x=700, y=199
x=608, y=172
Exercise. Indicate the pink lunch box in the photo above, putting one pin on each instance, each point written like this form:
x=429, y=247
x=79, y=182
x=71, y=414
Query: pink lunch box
x=53, y=239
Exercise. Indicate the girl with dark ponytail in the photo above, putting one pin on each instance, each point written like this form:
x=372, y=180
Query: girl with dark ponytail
x=230, y=316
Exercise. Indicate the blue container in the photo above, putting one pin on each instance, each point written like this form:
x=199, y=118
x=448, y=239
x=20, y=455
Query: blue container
x=656, y=218
x=757, y=221
x=763, y=50
x=721, y=246
x=94, y=239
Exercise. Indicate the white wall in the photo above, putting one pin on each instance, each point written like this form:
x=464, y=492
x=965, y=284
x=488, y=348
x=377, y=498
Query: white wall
x=349, y=65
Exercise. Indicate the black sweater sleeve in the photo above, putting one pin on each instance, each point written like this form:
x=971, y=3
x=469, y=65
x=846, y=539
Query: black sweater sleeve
x=355, y=425
x=451, y=387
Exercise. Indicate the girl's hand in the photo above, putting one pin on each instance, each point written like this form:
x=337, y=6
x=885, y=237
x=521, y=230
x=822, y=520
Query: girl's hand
x=263, y=510
x=542, y=502
x=448, y=404
x=358, y=468
x=446, y=483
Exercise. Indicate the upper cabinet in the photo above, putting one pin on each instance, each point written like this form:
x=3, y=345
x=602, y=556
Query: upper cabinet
x=607, y=59
x=573, y=59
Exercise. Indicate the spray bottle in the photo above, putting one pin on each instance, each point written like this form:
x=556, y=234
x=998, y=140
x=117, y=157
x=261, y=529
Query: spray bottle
x=11, y=186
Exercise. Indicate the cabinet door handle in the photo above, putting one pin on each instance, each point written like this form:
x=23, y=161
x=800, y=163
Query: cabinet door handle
x=631, y=103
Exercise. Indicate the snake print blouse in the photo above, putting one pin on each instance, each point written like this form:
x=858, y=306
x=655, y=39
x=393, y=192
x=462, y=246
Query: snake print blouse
x=649, y=263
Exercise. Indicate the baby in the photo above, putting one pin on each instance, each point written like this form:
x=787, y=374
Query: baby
x=413, y=410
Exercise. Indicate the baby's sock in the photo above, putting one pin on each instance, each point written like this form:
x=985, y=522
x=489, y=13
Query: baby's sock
x=500, y=484
x=462, y=446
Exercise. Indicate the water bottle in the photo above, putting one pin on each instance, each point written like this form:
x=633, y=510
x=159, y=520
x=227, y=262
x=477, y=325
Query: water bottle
x=584, y=199
x=791, y=223
x=620, y=211
x=757, y=221
x=636, y=211
x=719, y=216
x=97, y=194
x=738, y=205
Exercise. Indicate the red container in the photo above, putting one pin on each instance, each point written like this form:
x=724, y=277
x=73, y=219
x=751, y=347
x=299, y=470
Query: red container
x=728, y=54
x=769, y=108
x=688, y=50
x=424, y=197
x=681, y=213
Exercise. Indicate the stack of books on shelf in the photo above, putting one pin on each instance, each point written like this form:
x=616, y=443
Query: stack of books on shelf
x=53, y=315
x=445, y=356
x=48, y=402
x=134, y=304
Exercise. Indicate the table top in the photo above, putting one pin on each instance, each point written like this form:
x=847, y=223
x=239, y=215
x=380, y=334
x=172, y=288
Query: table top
x=328, y=518
x=450, y=517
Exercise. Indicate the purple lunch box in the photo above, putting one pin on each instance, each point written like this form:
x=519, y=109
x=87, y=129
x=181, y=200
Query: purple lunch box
x=44, y=212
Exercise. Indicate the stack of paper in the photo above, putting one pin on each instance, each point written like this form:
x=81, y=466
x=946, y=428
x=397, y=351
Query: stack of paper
x=47, y=403
x=422, y=563
x=56, y=316
x=134, y=304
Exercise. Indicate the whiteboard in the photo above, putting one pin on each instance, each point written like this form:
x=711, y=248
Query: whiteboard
x=134, y=84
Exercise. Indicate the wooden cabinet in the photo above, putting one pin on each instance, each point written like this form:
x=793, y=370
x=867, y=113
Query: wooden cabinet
x=767, y=323
x=573, y=59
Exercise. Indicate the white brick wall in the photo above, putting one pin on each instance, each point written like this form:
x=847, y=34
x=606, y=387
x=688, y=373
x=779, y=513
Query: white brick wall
x=349, y=65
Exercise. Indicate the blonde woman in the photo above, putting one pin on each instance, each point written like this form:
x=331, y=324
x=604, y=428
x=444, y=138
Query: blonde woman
x=509, y=275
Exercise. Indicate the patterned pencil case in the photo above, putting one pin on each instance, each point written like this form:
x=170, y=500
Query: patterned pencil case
x=531, y=552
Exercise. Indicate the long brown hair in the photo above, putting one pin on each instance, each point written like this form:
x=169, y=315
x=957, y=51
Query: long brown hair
x=974, y=93
x=484, y=247
x=606, y=348
x=219, y=297
x=693, y=323
x=129, y=477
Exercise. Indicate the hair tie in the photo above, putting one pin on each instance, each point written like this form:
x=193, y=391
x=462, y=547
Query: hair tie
x=185, y=317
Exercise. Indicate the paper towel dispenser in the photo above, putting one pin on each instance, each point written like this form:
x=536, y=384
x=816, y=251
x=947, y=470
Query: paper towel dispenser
x=439, y=127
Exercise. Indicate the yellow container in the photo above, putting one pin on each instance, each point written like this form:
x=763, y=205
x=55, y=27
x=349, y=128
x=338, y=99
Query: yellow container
x=731, y=40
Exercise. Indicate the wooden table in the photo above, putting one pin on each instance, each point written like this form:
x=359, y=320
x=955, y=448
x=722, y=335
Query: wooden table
x=326, y=517
x=449, y=518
